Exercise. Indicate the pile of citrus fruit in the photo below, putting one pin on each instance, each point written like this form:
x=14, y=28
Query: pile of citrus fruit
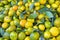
x=30, y=20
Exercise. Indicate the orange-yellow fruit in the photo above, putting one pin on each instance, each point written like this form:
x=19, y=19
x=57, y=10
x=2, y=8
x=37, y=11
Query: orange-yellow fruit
x=4, y=25
x=7, y=19
x=42, y=27
x=15, y=8
x=22, y=23
x=54, y=31
x=42, y=1
x=28, y=24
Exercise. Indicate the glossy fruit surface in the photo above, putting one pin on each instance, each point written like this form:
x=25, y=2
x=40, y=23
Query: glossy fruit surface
x=29, y=19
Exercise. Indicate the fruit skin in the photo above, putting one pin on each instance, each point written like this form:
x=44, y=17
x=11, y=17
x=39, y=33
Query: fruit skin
x=42, y=1
x=48, y=6
x=54, y=31
x=20, y=3
x=30, y=20
x=27, y=38
x=11, y=28
x=5, y=25
x=7, y=19
x=54, y=6
x=34, y=36
x=47, y=24
x=37, y=8
x=28, y=24
x=13, y=36
x=11, y=12
x=12, y=23
x=18, y=13
x=30, y=30
x=22, y=23
x=41, y=16
x=15, y=7
x=37, y=4
x=51, y=1
x=47, y=34
x=57, y=22
x=58, y=37
x=35, y=27
x=53, y=38
x=42, y=27
x=58, y=9
x=22, y=8
x=21, y=36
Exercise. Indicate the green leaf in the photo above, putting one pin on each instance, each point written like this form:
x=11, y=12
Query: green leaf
x=31, y=6
x=41, y=38
x=24, y=1
x=1, y=17
x=33, y=15
x=49, y=14
x=43, y=10
x=22, y=15
x=1, y=31
x=6, y=35
x=36, y=0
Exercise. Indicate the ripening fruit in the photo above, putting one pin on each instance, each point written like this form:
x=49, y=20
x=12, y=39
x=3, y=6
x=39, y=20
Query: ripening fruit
x=22, y=8
x=54, y=31
x=27, y=38
x=11, y=12
x=47, y=34
x=42, y=27
x=21, y=36
x=42, y=1
x=48, y=6
x=51, y=1
x=13, y=36
x=34, y=36
x=54, y=6
x=22, y=23
x=12, y=23
x=30, y=20
x=15, y=8
x=58, y=37
x=37, y=4
x=4, y=25
x=57, y=22
x=40, y=16
x=28, y=24
x=20, y=3
x=58, y=9
x=7, y=19
x=53, y=38
x=37, y=8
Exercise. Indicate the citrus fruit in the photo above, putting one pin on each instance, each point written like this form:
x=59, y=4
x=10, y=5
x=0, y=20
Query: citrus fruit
x=28, y=24
x=22, y=23
x=7, y=19
x=4, y=25
x=57, y=22
x=54, y=31
x=13, y=36
x=47, y=34
x=34, y=36
x=42, y=27
x=21, y=36
x=58, y=37
x=27, y=38
x=42, y=1
x=47, y=24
